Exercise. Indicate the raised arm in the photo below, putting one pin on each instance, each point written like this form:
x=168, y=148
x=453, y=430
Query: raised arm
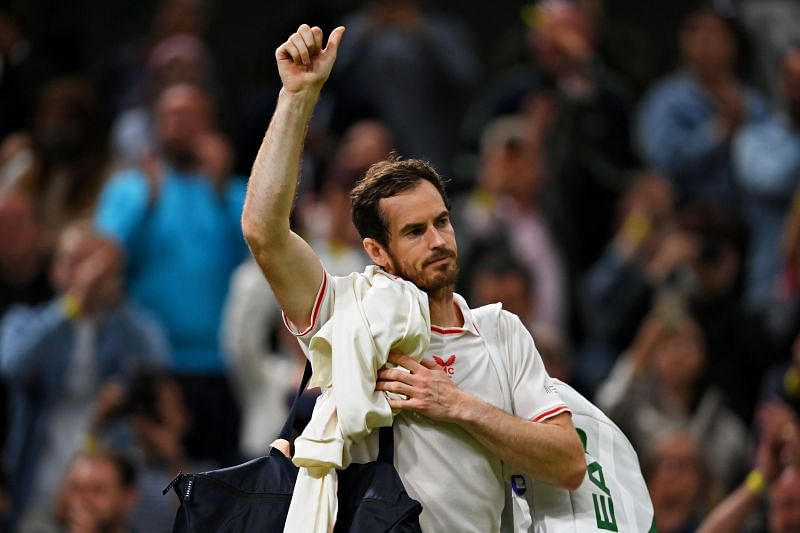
x=290, y=265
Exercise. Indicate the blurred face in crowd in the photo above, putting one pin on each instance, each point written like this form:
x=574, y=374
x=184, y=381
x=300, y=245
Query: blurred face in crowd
x=708, y=44
x=19, y=230
x=94, y=493
x=561, y=35
x=680, y=357
x=422, y=243
x=184, y=117
x=510, y=288
x=676, y=479
x=512, y=164
x=784, y=514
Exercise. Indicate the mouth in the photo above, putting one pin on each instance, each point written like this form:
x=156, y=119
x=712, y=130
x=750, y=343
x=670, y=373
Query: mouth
x=438, y=260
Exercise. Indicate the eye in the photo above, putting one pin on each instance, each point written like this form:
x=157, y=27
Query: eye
x=415, y=232
x=443, y=221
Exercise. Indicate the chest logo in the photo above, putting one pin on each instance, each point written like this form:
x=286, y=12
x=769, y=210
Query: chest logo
x=447, y=365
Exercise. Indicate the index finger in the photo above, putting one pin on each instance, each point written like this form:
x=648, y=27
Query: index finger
x=404, y=361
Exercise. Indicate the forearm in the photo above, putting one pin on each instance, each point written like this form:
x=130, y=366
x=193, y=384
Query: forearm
x=27, y=336
x=273, y=181
x=548, y=451
x=731, y=513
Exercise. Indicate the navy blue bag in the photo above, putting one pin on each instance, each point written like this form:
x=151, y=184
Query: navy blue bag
x=255, y=496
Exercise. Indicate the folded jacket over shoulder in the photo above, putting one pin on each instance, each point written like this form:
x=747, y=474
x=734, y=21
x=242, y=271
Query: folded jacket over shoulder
x=374, y=314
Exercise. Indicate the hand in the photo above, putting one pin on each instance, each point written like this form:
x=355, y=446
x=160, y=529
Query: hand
x=94, y=286
x=427, y=388
x=780, y=440
x=302, y=62
x=677, y=248
x=107, y=403
x=649, y=335
x=731, y=105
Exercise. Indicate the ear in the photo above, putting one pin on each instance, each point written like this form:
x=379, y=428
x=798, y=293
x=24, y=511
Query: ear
x=377, y=253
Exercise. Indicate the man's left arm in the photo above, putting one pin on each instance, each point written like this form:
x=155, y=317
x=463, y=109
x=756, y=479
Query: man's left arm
x=549, y=450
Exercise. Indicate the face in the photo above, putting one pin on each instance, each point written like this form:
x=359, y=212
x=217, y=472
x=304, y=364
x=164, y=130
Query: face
x=93, y=489
x=679, y=359
x=422, y=243
x=707, y=44
x=184, y=117
x=677, y=475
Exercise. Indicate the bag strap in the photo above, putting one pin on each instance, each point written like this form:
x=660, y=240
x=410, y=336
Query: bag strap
x=286, y=430
x=386, y=445
x=385, y=434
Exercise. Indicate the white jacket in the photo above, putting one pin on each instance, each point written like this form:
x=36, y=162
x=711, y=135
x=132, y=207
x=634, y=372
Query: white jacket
x=374, y=313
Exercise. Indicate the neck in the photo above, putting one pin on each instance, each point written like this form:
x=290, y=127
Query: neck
x=444, y=311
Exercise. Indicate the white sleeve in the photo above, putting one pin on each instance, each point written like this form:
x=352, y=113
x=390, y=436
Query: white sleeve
x=321, y=312
x=535, y=396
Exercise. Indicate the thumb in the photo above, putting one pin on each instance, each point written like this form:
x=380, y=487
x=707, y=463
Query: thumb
x=334, y=39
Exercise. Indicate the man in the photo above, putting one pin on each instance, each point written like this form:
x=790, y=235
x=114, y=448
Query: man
x=56, y=356
x=177, y=220
x=453, y=438
x=98, y=494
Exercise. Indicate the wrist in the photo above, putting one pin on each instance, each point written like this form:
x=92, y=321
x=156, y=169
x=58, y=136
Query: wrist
x=71, y=306
x=755, y=482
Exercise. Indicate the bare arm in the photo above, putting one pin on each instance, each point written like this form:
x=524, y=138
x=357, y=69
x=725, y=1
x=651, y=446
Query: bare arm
x=288, y=262
x=549, y=451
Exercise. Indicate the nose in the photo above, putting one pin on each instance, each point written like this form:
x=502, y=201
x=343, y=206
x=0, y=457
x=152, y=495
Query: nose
x=435, y=238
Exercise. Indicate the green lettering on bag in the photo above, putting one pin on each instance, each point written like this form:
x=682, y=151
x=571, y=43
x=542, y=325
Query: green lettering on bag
x=595, y=473
x=604, y=514
x=603, y=504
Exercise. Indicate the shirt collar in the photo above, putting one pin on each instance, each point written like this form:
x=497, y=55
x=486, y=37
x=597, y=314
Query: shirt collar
x=469, y=321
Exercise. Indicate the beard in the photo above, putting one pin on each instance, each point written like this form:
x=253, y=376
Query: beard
x=430, y=279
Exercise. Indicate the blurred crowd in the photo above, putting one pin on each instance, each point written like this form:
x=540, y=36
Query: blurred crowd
x=647, y=232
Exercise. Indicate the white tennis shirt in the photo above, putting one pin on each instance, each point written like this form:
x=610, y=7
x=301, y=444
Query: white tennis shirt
x=458, y=482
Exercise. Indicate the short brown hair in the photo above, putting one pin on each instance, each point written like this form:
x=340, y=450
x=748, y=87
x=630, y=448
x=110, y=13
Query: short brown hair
x=385, y=179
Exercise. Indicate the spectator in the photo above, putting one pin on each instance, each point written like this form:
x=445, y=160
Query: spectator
x=266, y=361
x=67, y=150
x=158, y=215
x=324, y=218
x=407, y=67
x=645, y=250
x=659, y=386
x=55, y=357
x=123, y=76
x=679, y=483
x=507, y=205
x=177, y=59
x=697, y=254
x=23, y=259
x=151, y=412
x=98, y=494
x=766, y=158
x=687, y=120
x=23, y=269
x=775, y=471
x=581, y=113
